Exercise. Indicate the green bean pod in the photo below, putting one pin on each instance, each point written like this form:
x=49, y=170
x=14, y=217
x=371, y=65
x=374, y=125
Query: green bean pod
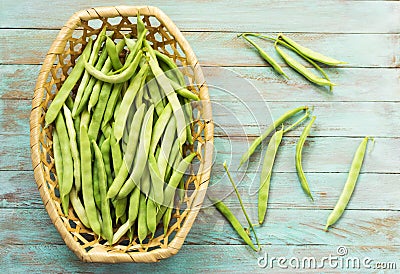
x=130, y=152
x=74, y=147
x=116, y=155
x=132, y=215
x=123, y=112
x=159, y=127
x=87, y=187
x=151, y=216
x=107, y=67
x=166, y=146
x=350, y=184
x=266, y=172
x=142, y=222
x=96, y=187
x=69, y=103
x=97, y=117
x=298, y=158
x=266, y=57
x=92, y=60
x=268, y=131
x=113, y=54
x=65, y=90
x=233, y=221
x=154, y=92
x=106, y=228
x=172, y=158
x=58, y=162
x=172, y=98
x=184, y=92
x=117, y=78
x=167, y=216
x=81, y=103
x=157, y=184
x=310, y=53
x=78, y=207
x=120, y=208
x=141, y=155
x=176, y=177
x=85, y=119
x=68, y=166
x=241, y=204
x=302, y=69
x=105, y=152
x=172, y=67
x=111, y=103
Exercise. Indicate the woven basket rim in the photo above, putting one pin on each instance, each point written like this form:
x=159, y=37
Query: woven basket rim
x=58, y=46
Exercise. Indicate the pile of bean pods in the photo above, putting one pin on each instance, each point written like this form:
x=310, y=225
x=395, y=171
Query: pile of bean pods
x=307, y=54
x=122, y=145
x=278, y=130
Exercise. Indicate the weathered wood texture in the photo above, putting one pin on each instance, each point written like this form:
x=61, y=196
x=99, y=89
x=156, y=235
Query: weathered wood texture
x=225, y=49
x=247, y=94
x=225, y=15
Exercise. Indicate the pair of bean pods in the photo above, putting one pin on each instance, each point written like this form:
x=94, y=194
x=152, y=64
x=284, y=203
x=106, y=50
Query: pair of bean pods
x=307, y=54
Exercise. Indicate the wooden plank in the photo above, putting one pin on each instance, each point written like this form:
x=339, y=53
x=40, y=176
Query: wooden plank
x=381, y=84
x=215, y=258
x=322, y=154
x=20, y=191
x=282, y=226
x=353, y=85
x=225, y=49
x=251, y=116
x=332, y=16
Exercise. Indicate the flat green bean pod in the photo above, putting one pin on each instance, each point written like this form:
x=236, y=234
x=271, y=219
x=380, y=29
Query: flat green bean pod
x=123, y=112
x=233, y=221
x=159, y=127
x=117, y=78
x=86, y=79
x=131, y=150
x=302, y=69
x=74, y=147
x=58, y=162
x=350, y=184
x=106, y=228
x=141, y=155
x=266, y=172
x=310, y=53
x=172, y=98
x=132, y=215
x=78, y=207
x=65, y=90
x=268, y=131
x=142, y=223
x=113, y=54
x=298, y=158
x=68, y=166
x=266, y=57
x=87, y=186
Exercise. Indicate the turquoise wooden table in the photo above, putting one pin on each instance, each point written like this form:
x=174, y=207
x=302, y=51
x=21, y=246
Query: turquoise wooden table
x=247, y=95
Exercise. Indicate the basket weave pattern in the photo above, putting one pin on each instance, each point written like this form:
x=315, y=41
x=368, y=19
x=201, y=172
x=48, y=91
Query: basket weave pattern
x=165, y=37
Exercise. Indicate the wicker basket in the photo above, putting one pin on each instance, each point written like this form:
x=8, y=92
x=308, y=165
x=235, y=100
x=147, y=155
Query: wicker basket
x=164, y=36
